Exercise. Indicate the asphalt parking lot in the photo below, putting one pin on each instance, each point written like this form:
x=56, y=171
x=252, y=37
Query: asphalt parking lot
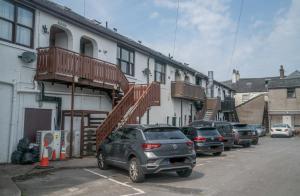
x=269, y=168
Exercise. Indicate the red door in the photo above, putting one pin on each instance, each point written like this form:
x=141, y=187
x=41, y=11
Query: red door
x=35, y=120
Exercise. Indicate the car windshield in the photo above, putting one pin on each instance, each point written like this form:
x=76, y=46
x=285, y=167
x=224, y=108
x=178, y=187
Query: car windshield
x=163, y=134
x=280, y=125
x=208, y=132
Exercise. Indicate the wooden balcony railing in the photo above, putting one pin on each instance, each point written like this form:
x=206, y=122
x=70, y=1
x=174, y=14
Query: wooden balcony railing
x=115, y=116
x=150, y=97
x=133, y=105
x=56, y=63
x=185, y=90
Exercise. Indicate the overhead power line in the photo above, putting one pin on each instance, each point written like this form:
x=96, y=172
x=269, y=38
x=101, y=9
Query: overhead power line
x=175, y=33
x=236, y=35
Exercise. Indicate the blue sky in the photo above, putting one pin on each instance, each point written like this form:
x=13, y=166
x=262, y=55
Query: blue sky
x=269, y=31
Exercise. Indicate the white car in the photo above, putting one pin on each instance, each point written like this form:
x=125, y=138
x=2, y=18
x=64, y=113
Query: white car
x=282, y=130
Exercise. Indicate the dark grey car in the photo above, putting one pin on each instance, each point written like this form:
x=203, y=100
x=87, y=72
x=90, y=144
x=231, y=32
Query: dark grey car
x=224, y=128
x=145, y=149
x=206, y=139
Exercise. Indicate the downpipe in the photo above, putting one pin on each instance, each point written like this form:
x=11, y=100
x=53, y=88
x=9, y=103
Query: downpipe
x=52, y=99
x=12, y=119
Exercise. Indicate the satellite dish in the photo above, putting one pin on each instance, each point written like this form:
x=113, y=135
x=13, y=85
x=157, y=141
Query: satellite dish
x=28, y=57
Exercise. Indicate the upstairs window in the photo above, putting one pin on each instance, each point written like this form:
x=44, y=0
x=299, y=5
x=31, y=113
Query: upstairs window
x=16, y=24
x=125, y=59
x=198, y=81
x=160, y=73
x=291, y=93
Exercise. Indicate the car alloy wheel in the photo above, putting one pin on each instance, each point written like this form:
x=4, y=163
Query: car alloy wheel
x=101, y=161
x=135, y=172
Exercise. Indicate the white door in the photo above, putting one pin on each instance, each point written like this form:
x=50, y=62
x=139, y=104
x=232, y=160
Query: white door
x=287, y=120
x=5, y=116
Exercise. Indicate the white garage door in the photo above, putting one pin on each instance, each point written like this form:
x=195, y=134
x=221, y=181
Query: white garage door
x=5, y=115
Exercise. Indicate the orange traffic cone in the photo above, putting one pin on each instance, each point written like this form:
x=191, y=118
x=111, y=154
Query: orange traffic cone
x=44, y=162
x=62, y=152
x=53, y=155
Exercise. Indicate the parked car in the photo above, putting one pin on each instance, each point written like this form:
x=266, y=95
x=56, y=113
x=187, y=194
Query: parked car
x=206, y=139
x=260, y=129
x=146, y=149
x=224, y=128
x=255, y=135
x=282, y=130
x=242, y=134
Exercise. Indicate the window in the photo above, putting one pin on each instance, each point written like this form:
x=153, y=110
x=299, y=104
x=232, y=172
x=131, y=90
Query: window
x=125, y=59
x=245, y=97
x=174, y=121
x=186, y=78
x=291, y=93
x=129, y=134
x=160, y=73
x=198, y=81
x=16, y=24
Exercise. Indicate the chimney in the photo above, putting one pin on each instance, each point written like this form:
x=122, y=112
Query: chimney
x=237, y=75
x=281, y=71
x=210, y=85
x=233, y=79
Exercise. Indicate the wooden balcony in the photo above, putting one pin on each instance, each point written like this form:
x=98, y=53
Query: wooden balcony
x=188, y=91
x=60, y=65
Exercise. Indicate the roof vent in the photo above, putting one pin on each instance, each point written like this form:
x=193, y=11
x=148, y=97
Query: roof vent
x=115, y=29
x=140, y=42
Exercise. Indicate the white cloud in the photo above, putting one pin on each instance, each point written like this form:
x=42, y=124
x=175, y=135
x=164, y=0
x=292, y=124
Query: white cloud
x=210, y=46
x=154, y=15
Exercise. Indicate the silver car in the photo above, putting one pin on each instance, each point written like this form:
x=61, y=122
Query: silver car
x=260, y=129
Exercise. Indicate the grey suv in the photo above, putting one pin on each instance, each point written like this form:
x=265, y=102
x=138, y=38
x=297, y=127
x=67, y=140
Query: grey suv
x=206, y=139
x=224, y=128
x=146, y=149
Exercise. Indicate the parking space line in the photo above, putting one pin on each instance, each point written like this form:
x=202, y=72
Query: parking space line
x=138, y=191
x=200, y=164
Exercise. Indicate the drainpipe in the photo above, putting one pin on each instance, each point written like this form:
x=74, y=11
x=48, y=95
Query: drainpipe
x=12, y=119
x=181, y=112
x=57, y=100
x=148, y=115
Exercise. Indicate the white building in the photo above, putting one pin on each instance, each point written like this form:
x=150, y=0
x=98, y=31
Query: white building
x=30, y=24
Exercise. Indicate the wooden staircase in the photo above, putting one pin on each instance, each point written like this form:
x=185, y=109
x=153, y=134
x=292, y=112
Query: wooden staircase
x=213, y=105
x=129, y=109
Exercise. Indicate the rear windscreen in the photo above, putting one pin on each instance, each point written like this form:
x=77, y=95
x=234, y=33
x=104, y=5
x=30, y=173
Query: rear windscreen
x=226, y=128
x=163, y=134
x=208, y=132
x=240, y=126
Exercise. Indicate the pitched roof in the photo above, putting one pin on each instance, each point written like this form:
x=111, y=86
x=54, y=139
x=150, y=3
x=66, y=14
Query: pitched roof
x=295, y=74
x=246, y=85
x=72, y=17
x=284, y=83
